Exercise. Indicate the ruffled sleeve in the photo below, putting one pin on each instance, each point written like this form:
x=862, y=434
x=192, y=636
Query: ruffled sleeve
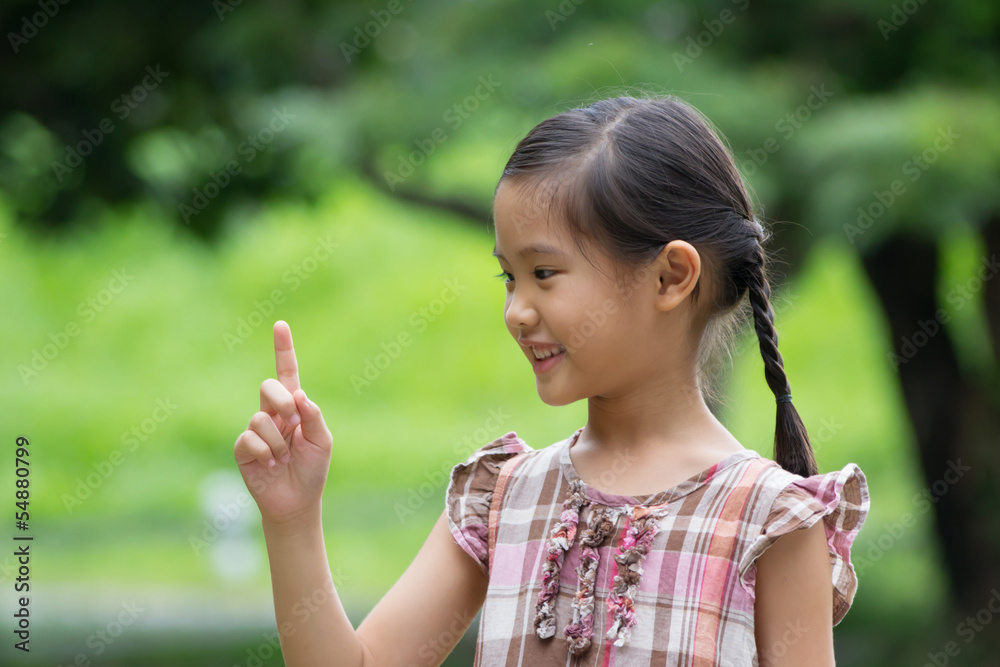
x=840, y=499
x=470, y=492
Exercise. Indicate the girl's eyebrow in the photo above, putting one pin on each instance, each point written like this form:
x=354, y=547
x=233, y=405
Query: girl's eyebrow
x=537, y=248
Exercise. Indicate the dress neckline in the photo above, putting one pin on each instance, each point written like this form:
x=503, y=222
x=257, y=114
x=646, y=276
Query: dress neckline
x=671, y=494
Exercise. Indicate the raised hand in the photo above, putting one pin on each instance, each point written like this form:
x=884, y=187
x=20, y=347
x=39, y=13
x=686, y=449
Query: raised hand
x=284, y=454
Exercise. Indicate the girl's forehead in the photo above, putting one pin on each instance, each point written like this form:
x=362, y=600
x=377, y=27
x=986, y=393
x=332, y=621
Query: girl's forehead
x=514, y=242
x=523, y=221
x=510, y=206
x=534, y=199
x=534, y=248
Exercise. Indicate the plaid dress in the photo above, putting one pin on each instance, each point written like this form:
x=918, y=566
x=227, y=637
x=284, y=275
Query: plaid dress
x=581, y=577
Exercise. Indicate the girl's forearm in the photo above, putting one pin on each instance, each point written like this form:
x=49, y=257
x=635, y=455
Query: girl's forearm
x=313, y=627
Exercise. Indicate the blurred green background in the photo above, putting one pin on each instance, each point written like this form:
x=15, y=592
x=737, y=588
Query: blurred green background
x=174, y=177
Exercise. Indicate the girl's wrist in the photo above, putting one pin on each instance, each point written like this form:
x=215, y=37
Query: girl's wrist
x=304, y=522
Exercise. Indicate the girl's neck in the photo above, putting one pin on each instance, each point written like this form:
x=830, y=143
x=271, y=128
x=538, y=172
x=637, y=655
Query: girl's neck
x=685, y=430
x=644, y=461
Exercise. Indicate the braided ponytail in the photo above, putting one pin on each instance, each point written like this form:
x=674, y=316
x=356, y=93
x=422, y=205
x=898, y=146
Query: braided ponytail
x=792, y=449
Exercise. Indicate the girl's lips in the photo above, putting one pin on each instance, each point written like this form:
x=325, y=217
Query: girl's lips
x=543, y=365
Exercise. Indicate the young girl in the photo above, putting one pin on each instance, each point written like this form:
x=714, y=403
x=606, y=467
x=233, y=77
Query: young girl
x=649, y=536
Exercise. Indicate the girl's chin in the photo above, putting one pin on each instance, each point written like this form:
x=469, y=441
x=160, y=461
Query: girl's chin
x=555, y=404
x=555, y=398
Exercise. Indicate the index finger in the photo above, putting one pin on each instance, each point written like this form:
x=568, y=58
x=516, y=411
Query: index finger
x=284, y=357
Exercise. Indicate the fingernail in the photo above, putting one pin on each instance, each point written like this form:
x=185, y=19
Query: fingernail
x=284, y=459
x=270, y=463
x=293, y=422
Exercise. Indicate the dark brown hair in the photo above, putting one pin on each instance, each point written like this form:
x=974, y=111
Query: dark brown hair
x=628, y=175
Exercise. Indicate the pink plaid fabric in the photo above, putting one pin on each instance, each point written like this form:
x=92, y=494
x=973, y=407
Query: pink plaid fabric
x=675, y=570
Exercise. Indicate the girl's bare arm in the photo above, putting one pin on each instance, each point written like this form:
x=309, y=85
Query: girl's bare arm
x=284, y=458
x=419, y=621
x=426, y=612
x=793, y=606
x=313, y=627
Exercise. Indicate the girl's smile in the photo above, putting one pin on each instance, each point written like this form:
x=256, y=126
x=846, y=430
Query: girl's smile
x=542, y=356
x=542, y=365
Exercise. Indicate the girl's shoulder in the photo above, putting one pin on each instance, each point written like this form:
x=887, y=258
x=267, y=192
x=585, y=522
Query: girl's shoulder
x=781, y=494
x=785, y=502
x=470, y=493
x=494, y=453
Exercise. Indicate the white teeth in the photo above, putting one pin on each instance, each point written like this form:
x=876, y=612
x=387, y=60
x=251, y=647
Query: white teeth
x=545, y=354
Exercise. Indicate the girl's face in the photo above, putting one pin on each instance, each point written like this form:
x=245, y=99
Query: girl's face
x=611, y=333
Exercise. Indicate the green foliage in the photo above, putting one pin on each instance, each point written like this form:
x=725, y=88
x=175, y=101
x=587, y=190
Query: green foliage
x=824, y=104
x=922, y=160
x=162, y=336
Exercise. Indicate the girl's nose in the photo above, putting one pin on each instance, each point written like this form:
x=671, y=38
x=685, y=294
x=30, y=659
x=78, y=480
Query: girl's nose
x=520, y=314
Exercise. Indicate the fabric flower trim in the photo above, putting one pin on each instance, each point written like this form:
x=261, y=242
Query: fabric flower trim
x=631, y=551
x=637, y=537
x=581, y=630
x=560, y=540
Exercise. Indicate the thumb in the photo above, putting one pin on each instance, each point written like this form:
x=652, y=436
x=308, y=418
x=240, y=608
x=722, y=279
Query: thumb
x=313, y=426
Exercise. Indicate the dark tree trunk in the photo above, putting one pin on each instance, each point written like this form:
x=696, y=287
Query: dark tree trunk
x=956, y=419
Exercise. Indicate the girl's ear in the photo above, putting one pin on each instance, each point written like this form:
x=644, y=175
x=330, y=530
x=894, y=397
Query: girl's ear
x=678, y=268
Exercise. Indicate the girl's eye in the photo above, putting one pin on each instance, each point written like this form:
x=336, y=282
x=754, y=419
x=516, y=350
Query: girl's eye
x=503, y=274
